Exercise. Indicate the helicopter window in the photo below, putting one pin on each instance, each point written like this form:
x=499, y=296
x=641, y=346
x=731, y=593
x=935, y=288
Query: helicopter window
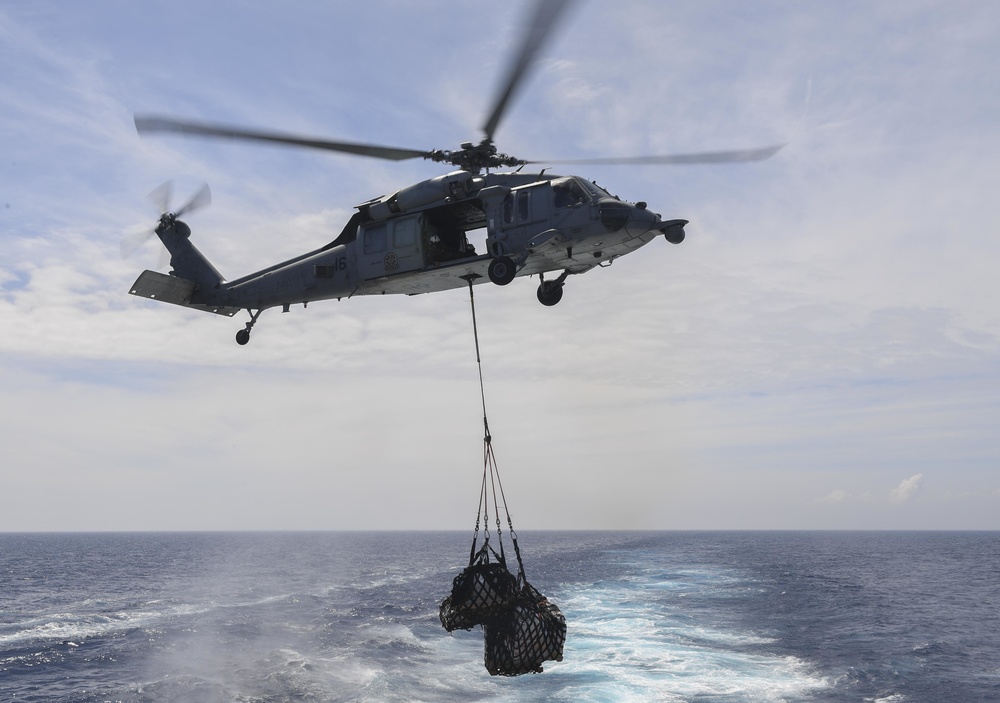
x=403, y=234
x=568, y=193
x=508, y=210
x=596, y=190
x=524, y=206
x=375, y=239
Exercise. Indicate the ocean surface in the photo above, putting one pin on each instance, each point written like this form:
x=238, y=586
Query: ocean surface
x=656, y=616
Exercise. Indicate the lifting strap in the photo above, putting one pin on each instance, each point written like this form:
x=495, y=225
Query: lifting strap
x=491, y=485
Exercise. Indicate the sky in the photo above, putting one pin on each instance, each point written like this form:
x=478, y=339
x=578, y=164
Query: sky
x=822, y=352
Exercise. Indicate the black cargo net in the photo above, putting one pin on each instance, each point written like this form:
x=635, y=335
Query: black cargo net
x=521, y=627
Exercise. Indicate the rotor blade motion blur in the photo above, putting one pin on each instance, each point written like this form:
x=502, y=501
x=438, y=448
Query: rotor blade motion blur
x=161, y=197
x=133, y=241
x=201, y=199
x=146, y=124
x=707, y=157
x=473, y=157
x=541, y=25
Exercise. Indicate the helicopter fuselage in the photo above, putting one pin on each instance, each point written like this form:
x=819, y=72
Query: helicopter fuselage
x=417, y=240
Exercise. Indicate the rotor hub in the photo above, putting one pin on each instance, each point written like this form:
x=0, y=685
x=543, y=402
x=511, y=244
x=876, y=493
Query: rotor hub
x=167, y=220
x=475, y=157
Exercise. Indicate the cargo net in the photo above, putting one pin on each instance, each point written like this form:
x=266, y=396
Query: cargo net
x=521, y=627
x=484, y=591
x=531, y=632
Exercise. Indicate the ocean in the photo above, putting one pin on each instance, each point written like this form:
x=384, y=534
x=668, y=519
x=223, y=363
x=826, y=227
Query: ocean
x=704, y=617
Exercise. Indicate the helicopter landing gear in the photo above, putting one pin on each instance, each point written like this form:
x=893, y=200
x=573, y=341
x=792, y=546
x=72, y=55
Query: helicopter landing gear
x=551, y=292
x=502, y=270
x=243, y=336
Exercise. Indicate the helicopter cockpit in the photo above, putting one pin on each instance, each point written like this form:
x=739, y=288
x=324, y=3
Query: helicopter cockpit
x=595, y=190
x=568, y=192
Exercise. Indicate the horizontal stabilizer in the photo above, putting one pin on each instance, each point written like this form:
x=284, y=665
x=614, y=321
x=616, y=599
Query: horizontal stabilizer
x=171, y=289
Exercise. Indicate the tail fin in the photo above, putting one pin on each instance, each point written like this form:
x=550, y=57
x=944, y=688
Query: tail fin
x=192, y=280
x=185, y=259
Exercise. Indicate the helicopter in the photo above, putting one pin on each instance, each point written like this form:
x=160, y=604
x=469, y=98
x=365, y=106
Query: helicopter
x=416, y=240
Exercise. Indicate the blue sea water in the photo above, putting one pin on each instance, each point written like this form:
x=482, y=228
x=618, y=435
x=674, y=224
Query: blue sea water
x=655, y=616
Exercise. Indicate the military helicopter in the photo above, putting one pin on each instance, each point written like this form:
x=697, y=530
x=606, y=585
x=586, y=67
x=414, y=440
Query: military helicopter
x=415, y=240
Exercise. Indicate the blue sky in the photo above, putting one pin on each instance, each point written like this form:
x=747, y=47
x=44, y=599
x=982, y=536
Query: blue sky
x=822, y=351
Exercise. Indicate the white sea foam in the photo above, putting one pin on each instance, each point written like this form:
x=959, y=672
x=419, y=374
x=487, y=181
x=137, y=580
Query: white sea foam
x=69, y=627
x=75, y=627
x=627, y=642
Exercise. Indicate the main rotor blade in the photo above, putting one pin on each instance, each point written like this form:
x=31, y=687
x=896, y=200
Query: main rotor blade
x=146, y=124
x=544, y=20
x=705, y=157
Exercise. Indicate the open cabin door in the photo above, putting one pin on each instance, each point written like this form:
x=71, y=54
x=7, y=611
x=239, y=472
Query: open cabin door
x=390, y=247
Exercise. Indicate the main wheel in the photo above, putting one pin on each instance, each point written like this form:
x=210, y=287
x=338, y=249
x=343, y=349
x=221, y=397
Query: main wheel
x=502, y=270
x=549, y=293
x=242, y=337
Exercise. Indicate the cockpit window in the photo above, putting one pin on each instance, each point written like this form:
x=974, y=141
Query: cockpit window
x=596, y=190
x=567, y=192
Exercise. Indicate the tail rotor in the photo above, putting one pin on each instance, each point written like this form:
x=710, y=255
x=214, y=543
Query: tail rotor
x=161, y=198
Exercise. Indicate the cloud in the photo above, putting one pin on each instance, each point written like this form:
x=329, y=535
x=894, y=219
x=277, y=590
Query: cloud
x=906, y=490
x=903, y=493
x=840, y=497
x=815, y=322
x=835, y=497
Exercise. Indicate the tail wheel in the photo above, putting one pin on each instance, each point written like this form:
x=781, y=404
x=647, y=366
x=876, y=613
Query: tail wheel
x=243, y=336
x=502, y=270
